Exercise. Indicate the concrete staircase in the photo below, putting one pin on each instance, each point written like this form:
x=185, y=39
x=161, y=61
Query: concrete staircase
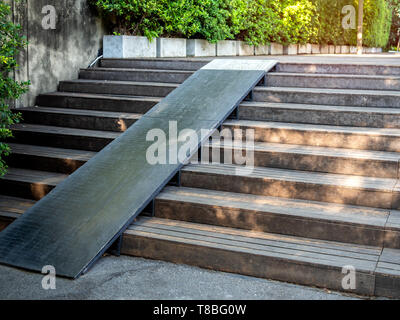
x=324, y=193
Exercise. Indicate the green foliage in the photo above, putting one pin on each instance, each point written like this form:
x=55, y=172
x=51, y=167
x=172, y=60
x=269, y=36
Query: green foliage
x=299, y=23
x=11, y=42
x=376, y=24
x=206, y=19
x=255, y=21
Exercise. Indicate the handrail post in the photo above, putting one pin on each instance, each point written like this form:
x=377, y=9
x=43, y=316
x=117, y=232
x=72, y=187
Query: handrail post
x=360, y=26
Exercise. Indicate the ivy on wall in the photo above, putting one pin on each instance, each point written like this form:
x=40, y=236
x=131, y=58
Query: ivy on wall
x=11, y=42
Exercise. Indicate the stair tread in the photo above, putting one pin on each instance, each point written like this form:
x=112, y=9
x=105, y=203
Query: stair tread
x=137, y=70
x=102, y=96
x=119, y=82
x=66, y=154
x=302, y=209
x=302, y=250
x=336, y=75
x=315, y=127
x=312, y=107
x=313, y=150
x=341, y=180
x=34, y=176
x=64, y=130
x=357, y=92
x=84, y=112
x=12, y=207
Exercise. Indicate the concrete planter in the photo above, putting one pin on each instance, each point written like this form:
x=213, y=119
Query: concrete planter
x=324, y=49
x=290, y=50
x=171, y=47
x=200, y=48
x=331, y=49
x=243, y=49
x=338, y=49
x=315, y=49
x=304, y=48
x=128, y=47
x=263, y=50
x=345, y=49
x=227, y=48
x=276, y=49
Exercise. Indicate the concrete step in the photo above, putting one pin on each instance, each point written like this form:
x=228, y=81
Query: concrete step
x=264, y=255
x=321, y=114
x=324, y=187
x=333, y=81
x=316, y=220
x=29, y=184
x=59, y=137
x=47, y=159
x=338, y=68
x=377, y=139
x=309, y=158
x=339, y=97
x=99, y=102
x=163, y=64
x=128, y=74
x=12, y=208
x=130, y=88
x=80, y=119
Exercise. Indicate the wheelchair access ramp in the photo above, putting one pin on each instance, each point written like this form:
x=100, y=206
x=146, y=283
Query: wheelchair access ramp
x=86, y=214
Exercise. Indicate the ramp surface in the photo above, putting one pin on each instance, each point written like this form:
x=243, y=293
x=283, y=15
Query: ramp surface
x=81, y=218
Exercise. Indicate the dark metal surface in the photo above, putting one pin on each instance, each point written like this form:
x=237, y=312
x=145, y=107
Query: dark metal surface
x=81, y=218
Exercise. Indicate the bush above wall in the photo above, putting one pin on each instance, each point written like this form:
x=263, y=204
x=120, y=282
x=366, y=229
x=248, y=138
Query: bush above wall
x=257, y=22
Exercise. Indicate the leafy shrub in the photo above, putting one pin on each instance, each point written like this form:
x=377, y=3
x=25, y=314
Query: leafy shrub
x=255, y=21
x=299, y=23
x=205, y=19
x=11, y=42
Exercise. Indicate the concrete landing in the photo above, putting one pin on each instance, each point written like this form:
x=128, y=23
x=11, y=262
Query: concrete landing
x=127, y=278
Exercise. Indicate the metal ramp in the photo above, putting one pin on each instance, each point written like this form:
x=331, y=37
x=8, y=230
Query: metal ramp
x=87, y=213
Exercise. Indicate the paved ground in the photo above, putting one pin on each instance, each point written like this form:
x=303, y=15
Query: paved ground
x=134, y=278
x=376, y=59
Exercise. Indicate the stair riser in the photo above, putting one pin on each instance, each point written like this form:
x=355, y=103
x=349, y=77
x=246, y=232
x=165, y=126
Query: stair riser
x=327, y=98
x=26, y=190
x=5, y=222
x=100, y=104
x=269, y=222
x=185, y=65
x=77, y=121
x=117, y=89
x=44, y=163
x=324, y=139
x=145, y=76
x=332, y=83
x=220, y=259
x=315, y=163
x=290, y=189
x=326, y=117
x=61, y=140
x=338, y=69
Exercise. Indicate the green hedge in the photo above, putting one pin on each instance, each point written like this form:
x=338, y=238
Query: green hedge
x=255, y=21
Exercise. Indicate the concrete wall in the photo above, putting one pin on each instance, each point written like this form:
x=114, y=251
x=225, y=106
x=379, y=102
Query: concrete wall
x=54, y=55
